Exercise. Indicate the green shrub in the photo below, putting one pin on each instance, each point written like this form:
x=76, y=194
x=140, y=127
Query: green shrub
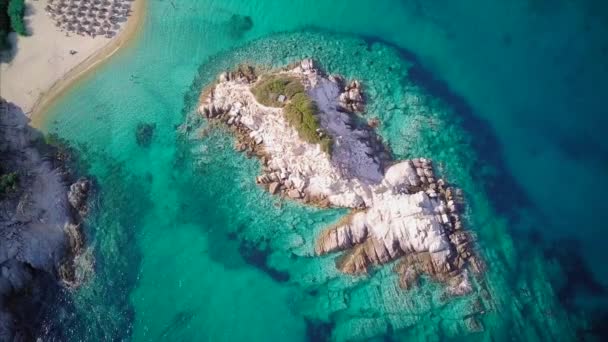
x=5, y=25
x=4, y=43
x=299, y=109
x=5, y=20
x=301, y=113
x=268, y=90
x=11, y=20
x=8, y=182
x=16, y=11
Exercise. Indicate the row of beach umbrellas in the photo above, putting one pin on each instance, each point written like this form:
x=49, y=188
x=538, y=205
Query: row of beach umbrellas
x=92, y=17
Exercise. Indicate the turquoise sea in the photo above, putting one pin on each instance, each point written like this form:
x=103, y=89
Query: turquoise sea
x=506, y=96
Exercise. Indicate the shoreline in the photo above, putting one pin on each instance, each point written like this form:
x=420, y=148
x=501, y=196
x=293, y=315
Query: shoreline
x=41, y=225
x=84, y=68
x=39, y=96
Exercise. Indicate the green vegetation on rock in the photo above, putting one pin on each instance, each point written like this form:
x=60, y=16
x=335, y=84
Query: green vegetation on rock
x=8, y=182
x=300, y=112
x=269, y=90
x=299, y=109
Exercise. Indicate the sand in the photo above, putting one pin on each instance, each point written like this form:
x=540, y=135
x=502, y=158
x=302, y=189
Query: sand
x=43, y=67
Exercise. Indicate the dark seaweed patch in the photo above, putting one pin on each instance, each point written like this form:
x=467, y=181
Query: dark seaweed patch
x=318, y=331
x=256, y=254
x=178, y=322
x=144, y=134
x=238, y=25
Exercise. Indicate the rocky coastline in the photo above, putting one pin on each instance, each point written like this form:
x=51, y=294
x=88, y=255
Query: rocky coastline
x=40, y=224
x=400, y=210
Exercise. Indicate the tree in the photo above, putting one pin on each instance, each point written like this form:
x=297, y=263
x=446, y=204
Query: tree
x=16, y=11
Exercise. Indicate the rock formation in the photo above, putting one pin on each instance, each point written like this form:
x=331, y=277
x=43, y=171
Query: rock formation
x=39, y=225
x=400, y=209
x=78, y=195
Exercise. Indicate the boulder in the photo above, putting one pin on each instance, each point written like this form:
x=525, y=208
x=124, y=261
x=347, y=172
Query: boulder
x=294, y=194
x=273, y=188
x=307, y=65
x=78, y=195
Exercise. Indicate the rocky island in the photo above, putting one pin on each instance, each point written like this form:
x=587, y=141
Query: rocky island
x=41, y=209
x=305, y=127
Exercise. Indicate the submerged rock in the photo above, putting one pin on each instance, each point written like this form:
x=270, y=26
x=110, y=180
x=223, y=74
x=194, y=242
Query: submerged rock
x=144, y=134
x=400, y=209
x=238, y=25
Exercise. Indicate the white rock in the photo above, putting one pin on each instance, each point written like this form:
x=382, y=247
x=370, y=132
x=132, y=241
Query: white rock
x=351, y=178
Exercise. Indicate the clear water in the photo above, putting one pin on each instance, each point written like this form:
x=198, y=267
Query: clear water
x=505, y=96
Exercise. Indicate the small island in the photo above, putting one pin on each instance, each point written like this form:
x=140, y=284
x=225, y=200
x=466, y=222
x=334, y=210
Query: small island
x=315, y=148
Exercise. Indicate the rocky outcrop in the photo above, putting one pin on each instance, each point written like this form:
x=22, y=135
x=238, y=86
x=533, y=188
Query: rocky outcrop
x=351, y=100
x=39, y=225
x=78, y=195
x=400, y=209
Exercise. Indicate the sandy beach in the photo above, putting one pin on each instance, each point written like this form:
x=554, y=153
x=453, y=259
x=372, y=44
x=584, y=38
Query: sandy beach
x=43, y=66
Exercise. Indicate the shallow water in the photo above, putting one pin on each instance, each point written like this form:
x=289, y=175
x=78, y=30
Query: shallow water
x=504, y=97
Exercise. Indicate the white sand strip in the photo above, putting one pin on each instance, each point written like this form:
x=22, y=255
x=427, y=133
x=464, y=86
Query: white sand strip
x=43, y=66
